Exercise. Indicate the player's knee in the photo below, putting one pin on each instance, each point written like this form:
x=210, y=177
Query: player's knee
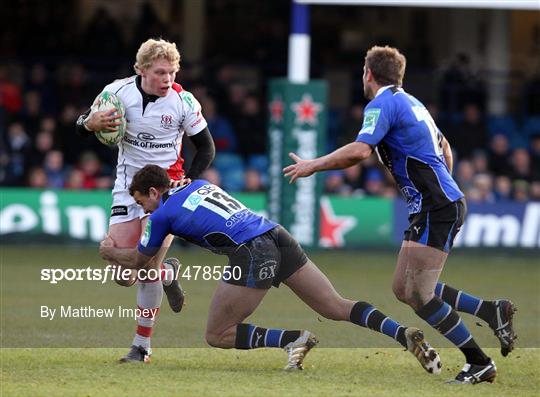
x=400, y=292
x=413, y=297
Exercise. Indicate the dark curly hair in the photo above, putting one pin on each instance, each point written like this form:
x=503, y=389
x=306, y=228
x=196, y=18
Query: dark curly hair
x=149, y=176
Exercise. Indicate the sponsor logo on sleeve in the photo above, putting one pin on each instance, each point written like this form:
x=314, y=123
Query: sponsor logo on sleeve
x=370, y=121
x=188, y=98
x=146, y=235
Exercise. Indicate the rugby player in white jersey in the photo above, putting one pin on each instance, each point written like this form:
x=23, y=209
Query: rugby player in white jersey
x=158, y=112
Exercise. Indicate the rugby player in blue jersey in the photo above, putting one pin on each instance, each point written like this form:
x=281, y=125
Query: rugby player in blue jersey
x=266, y=255
x=401, y=131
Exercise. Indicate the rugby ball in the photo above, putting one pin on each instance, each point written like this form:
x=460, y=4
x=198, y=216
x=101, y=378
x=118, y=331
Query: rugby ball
x=104, y=102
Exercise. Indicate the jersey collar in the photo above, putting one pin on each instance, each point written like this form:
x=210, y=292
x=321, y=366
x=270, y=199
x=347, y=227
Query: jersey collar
x=382, y=89
x=148, y=97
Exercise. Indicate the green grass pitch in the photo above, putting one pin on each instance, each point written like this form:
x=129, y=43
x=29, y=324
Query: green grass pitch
x=77, y=356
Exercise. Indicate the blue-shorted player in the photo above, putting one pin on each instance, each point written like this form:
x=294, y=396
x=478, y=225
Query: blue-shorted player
x=401, y=131
x=264, y=253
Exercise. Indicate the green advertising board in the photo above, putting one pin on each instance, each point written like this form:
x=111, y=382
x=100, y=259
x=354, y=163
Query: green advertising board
x=32, y=216
x=297, y=123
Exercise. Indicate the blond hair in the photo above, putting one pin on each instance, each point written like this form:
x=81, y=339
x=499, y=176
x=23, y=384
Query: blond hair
x=387, y=65
x=153, y=49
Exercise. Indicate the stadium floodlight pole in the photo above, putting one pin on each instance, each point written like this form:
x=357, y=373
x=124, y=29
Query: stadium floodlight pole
x=299, y=44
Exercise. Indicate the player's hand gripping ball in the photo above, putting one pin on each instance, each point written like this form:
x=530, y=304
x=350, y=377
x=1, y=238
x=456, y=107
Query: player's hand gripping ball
x=105, y=102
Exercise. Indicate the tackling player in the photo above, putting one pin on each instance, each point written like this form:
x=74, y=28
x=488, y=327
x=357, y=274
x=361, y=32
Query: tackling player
x=158, y=113
x=403, y=134
x=266, y=255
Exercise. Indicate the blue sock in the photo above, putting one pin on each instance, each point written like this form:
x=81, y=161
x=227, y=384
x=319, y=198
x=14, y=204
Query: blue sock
x=367, y=316
x=444, y=319
x=250, y=336
x=464, y=302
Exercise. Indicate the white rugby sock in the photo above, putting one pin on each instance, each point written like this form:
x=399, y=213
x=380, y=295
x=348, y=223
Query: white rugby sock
x=149, y=296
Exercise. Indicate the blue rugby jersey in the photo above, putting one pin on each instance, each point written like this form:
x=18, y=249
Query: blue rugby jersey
x=205, y=215
x=409, y=144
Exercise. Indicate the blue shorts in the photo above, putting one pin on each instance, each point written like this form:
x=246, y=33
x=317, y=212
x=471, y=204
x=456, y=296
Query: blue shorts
x=266, y=260
x=437, y=228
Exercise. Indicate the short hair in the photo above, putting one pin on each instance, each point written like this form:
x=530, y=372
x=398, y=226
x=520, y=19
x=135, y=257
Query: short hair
x=149, y=176
x=387, y=65
x=153, y=49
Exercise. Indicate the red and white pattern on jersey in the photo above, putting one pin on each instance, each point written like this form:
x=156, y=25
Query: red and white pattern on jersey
x=176, y=171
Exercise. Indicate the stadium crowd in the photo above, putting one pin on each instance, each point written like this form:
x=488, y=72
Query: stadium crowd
x=497, y=158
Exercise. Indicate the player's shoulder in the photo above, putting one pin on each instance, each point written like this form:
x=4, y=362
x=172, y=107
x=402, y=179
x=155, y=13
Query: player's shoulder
x=186, y=98
x=120, y=84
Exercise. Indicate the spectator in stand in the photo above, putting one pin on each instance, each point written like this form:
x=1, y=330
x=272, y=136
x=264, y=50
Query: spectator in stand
x=74, y=87
x=251, y=128
x=93, y=178
x=465, y=174
x=374, y=182
x=482, y=190
x=480, y=162
x=503, y=189
x=535, y=191
x=75, y=180
x=72, y=145
x=237, y=93
x=470, y=134
x=334, y=183
x=520, y=191
x=10, y=92
x=535, y=156
x=222, y=130
x=253, y=181
x=43, y=143
x=498, y=155
x=39, y=82
x=54, y=168
x=521, y=165
x=48, y=123
x=212, y=176
x=37, y=178
x=31, y=116
x=461, y=85
x=352, y=178
x=441, y=122
x=18, y=149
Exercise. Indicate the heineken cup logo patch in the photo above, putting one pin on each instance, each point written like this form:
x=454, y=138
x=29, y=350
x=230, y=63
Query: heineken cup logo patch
x=146, y=236
x=370, y=121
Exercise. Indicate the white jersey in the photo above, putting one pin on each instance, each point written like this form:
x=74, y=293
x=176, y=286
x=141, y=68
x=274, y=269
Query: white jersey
x=153, y=136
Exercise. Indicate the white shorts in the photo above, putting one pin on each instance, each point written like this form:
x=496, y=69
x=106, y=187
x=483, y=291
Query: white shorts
x=124, y=208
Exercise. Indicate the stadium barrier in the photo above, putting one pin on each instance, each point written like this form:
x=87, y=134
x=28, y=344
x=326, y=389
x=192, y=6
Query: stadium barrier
x=82, y=217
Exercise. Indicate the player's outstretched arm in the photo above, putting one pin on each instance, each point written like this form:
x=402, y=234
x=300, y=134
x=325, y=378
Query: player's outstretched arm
x=343, y=157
